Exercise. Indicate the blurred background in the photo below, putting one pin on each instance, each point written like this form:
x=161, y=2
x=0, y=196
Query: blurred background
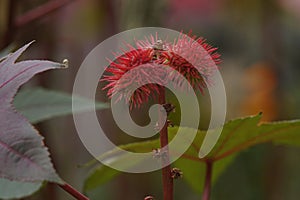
x=259, y=41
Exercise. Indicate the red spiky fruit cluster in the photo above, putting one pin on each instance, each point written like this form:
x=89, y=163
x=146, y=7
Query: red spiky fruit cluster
x=190, y=56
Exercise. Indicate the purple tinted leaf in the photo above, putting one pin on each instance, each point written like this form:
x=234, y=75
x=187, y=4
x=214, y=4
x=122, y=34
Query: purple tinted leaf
x=8, y=188
x=23, y=157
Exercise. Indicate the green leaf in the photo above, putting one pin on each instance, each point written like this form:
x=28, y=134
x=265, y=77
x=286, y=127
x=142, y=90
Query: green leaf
x=38, y=104
x=237, y=135
x=240, y=134
x=14, y=189
x=103, y=174
x=99, y=176
x=234, y=133
x=192, y=166
x=194, y=171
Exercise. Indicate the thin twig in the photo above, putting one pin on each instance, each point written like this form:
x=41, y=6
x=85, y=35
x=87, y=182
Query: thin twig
x=72, y=191
x=166, y=171
x=39, y=12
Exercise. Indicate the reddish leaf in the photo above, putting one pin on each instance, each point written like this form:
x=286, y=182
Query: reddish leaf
x=23, y=157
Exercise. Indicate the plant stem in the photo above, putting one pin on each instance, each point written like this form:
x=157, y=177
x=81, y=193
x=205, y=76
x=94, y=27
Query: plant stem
x=167, y=180
x=72, y=191
x=208, y=176
x=40, y=12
